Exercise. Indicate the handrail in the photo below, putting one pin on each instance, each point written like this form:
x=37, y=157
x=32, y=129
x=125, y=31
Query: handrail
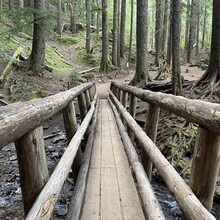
x=200, y=112
x=45, y=202
x=19, y=118
x=206, y=164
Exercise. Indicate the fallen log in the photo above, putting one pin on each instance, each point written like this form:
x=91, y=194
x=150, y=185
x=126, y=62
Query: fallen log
x=89, y=70
x=10, y=63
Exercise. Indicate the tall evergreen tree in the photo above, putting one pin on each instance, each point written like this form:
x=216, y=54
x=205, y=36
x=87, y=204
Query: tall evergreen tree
x=122, y=27
x=104, y=66
x=37, y=56
x=212, y=75
x=176, y=73
x=73, y=11
x=88, y=21
x=59, y=17
x=115, y=33
x=141, y=73
x=158, y=31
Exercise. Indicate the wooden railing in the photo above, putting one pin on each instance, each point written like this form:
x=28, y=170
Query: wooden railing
x=206, y=161
x=21, y=123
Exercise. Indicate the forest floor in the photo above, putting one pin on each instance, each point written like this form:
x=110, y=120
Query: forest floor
x=48, y=84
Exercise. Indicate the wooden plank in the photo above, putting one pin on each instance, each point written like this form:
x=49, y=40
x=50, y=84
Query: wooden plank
x=91, y=205
x=110, y=201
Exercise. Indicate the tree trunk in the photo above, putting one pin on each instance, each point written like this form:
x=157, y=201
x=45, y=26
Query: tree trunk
x=141, y=74
x=187, y=25
x=169, y=39
x=88, y=21
x=204, y=27
x=104, y=66
x=176, y=77
x=1, y=9
x=118, y=42
x=198, y=27
x=165, y=24
x=37, y=56
x=73, y=14
x=115, y=33
x=158, y=32
x=191, y=31
x=131, y=31
x=97, y=16
x=11, y=4
x=212, y=74
x=59, y=17
x=122, y=28
x=20, y=3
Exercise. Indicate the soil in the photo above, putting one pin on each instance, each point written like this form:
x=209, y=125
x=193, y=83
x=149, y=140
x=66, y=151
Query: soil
x=10, y=191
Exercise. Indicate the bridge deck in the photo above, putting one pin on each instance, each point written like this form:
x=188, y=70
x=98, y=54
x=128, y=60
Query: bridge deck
x=111, y=191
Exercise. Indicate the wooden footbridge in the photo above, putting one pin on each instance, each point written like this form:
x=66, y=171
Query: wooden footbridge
x=110, y=180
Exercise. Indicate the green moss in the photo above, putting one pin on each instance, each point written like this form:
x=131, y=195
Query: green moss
x=87, y=58
x=26, y=89
x=55, y=62
x=67, y=40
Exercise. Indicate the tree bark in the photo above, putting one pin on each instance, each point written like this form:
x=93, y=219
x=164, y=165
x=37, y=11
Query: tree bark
x=204, y=27
x=88, y=22
x=115, y=33
x=176, y=72
x=165, y=24
x=122, y=27
x=169, y=39
x=187, y=25
x=191, y=31
x=131, y=31
x=97, y=16
x=32, y=166
x=212, y=74
x=73, y=15
x=59, y=17
x=197, y=27
x=37, y=56
x=141, y=74
x=158, y=32
x=104, y=66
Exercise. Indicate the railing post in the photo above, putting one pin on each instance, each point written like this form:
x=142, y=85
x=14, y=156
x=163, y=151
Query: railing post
x=32, y=166
x=88, y=101
x=70, y=122
x=118, y=94
x=124, y=99
x=205, y=167
x=82, y=106
x=151, y=130
x=132, y=111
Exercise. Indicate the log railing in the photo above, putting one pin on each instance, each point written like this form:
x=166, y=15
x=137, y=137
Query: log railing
x=206, y=160
x=21, y=123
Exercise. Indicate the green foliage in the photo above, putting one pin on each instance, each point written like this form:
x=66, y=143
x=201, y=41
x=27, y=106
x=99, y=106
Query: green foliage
x=87, y=58
x=26, y=89
x=67, y=40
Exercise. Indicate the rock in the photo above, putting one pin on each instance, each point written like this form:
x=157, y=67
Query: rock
x=60, y=210
x=12, y=158
x=204, y=67
x=56, y=140
x=62, y=137
x=55, y=154
x=45, y=127
x=1, y=96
